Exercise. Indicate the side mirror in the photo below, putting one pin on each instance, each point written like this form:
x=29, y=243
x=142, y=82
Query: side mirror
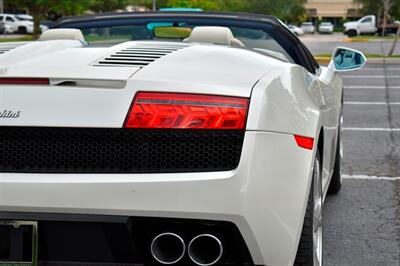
x=346, y=59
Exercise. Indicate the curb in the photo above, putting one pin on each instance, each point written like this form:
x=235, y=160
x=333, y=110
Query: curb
x=356, y=40
x=323, y=60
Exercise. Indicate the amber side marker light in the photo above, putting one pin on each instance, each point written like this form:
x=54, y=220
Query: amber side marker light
x=187, y=111
x=304, y=142
x=24, y=81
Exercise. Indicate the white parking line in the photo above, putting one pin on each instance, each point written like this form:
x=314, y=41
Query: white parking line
x=369, y=77
x=370, y=177
x=379, y=68
x=372, y=103
x=377, y=71
x=373, y=129
x=372, y=87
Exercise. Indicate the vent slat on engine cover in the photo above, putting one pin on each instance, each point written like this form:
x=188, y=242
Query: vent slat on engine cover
x=95, y=150
x=5, y=50
x=139, y=55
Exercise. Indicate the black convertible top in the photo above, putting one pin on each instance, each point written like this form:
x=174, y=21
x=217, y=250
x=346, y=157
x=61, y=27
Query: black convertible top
x=293, y=45
x=177, y=14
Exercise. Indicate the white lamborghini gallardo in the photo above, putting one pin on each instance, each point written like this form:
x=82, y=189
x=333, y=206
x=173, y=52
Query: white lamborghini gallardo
x=173, y=138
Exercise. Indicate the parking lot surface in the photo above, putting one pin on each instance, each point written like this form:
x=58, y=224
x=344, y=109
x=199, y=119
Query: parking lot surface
x=362, y=222
x=325, y=44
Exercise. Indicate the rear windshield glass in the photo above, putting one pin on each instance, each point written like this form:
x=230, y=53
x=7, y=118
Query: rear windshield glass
x=260, y=36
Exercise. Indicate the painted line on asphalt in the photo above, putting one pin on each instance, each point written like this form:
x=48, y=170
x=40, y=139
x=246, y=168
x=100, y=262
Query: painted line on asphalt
x=372, y=129
x=379, y=68
x=372, y=103
x=371, y=87
x=370, y=77
x=370, y=177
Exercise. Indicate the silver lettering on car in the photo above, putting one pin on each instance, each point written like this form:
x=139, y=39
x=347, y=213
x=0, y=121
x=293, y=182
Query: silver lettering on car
x=10, y=114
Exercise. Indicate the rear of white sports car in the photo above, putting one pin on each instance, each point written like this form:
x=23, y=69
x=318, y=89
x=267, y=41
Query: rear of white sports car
x=151, y=154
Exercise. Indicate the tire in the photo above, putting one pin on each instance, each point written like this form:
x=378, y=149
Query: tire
x=310, y=246
x=351, y=33
x=336, y=180
x=22, y=30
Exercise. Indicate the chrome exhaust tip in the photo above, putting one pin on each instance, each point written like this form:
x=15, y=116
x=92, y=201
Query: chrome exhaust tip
x=205, y=250
x=168, y=248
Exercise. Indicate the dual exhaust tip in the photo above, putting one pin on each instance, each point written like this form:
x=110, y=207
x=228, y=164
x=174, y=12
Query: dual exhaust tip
x=170, y=248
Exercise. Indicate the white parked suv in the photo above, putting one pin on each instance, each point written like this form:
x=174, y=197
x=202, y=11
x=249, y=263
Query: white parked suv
x=325, y=27
x=18, y=24
x=308, y=27
x=296, y=30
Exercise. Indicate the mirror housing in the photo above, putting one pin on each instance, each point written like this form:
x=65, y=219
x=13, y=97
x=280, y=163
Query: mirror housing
x=346, y=59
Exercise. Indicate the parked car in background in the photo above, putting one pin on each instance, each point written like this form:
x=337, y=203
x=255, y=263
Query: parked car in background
x=2, y=27
x=19, y=24
x=308, y=27
x=296, y=30
x=47, y=23
x=325, y=27
x=364, y=25
x=25, y=17
x=370, y=25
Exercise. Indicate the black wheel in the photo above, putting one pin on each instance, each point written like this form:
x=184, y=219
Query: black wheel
x=336, y=181
x=351, y=33
x=22, y=30
x=309, y=252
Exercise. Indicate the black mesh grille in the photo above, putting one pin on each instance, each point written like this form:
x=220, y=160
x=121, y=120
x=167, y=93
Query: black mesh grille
x=83, y=150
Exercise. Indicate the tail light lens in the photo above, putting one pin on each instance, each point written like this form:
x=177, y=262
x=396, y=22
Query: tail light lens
x=187, y=111
x=304, y=142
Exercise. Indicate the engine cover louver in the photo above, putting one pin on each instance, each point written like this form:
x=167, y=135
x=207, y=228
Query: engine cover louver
x=4, y=50
x=139, y=55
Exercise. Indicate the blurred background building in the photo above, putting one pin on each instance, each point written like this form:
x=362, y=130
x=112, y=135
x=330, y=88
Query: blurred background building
x=333, y=10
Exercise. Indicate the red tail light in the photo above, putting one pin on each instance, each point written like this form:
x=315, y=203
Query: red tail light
x=24, y=81
x=184, y=111
x=304, y=142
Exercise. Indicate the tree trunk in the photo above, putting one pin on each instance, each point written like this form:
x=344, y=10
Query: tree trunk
x=391, y=52
x=385, y=17
x=36, y=26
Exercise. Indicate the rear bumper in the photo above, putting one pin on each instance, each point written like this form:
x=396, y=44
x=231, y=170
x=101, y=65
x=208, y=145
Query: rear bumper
x=65, y=239
x=326, y=30
x=265, y=197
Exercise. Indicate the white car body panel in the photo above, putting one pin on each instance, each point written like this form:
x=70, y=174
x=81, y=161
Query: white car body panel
x=285, y=100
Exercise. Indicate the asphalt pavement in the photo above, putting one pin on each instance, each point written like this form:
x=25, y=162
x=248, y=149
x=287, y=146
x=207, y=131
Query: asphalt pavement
x=325, y=44
x=362, y=222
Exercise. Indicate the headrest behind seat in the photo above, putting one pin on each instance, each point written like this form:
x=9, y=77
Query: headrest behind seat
x=213, y=35
x=62, y=34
